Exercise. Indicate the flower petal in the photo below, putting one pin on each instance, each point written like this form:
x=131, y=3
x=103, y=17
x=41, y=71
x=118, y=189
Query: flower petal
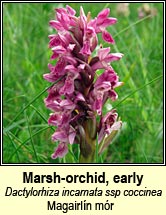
x=107, y=37
x=83, y=19
x=70, y=10
x=55, y=24
x=113, y=95
x=72, y=134
x=107, y=22
x=50, y=77
x=102, y=53
x=54, y=119
x=59, y=49
x=102, y=15
x=60, y=151
x=54, y=41
x=113, y=57
x=97, y=105
x=60, y=135
x=68, y=87
x=67, y=104
x=86, y=48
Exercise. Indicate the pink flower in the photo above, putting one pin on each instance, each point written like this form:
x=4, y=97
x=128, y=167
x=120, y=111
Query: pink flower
x=106, y=124
x=66, y=135
x=104, y=89
x=107, y=37
x=60, y=151
x=104, y=58
x=78, y=97
x=102, y=16
x=86, y=48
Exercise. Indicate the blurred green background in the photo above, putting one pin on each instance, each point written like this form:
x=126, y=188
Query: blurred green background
x=26, y=135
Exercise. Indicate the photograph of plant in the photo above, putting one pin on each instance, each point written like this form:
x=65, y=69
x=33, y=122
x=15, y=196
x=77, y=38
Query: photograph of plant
x=82, y=83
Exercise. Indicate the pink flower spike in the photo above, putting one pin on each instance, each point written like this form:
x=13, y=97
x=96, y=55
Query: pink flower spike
x=78, y=93
x=60, y=151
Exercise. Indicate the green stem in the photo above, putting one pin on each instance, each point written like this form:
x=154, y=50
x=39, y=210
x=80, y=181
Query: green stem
x=88, y=142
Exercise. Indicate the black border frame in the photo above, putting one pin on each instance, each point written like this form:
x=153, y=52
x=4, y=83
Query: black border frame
x=95, y=164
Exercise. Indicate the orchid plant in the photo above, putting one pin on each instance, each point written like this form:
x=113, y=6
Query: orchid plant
x=79, y=94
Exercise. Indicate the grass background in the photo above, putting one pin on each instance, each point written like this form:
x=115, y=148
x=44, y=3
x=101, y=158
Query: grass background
x=26, y=135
